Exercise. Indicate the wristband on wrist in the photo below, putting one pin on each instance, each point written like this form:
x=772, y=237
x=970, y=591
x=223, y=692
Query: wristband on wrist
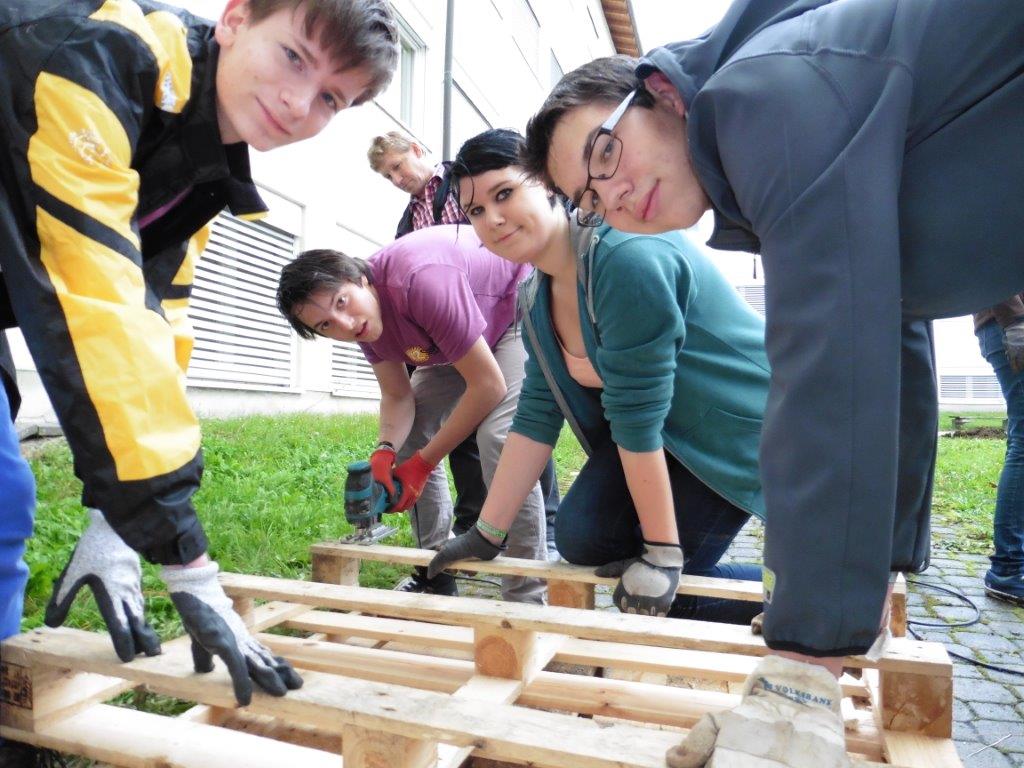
x=490, y=530
x=385, y=444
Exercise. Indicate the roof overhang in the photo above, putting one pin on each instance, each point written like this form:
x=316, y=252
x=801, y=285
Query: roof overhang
x=619, y=16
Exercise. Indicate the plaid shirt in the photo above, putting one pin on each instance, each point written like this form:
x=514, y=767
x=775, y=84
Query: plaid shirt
x=422, y=205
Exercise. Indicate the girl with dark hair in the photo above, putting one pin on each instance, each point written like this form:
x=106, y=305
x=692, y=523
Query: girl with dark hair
x=659, y=367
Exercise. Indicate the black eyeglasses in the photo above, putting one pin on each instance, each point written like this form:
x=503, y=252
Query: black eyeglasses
x=602, y=163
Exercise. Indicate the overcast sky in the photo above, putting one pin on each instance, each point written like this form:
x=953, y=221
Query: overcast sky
x=664, y=21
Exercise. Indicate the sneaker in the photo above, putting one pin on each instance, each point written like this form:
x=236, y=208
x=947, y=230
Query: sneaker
x=442, y=584
x=1008, y=588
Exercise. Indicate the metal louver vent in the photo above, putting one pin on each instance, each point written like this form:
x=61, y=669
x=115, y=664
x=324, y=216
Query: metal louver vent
x=982, y=388
x=351, y=375
x=242, y=342
x=753, y=295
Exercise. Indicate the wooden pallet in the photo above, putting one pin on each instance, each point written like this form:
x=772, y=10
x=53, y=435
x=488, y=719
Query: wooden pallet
x=411, y=681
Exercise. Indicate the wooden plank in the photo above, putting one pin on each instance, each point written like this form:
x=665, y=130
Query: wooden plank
x=329, y=569
x=641, y=702
x=898, y=607
x=913, y=750
x=499, y=731
x=36, y=696
x=732, y=589
x=570, y=594
x=365, y=748
x=916, y=751
x=126, y=737
x=901, y=654
x=592, y=653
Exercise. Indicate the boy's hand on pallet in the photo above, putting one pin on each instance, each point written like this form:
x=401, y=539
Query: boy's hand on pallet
x=789, y=718
x=111, y=568
x=647, y=584
x=216, y=630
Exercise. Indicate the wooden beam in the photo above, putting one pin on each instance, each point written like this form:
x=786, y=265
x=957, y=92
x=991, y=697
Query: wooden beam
x=729, y=589
x=592, y=653
x=497, y=731
x=900, y=655
x=126, y=737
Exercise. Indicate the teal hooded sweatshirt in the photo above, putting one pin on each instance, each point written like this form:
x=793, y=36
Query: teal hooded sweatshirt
x=680, y=353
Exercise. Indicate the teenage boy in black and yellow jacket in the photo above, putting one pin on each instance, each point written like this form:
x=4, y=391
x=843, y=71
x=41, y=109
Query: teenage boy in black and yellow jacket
x=125, y=127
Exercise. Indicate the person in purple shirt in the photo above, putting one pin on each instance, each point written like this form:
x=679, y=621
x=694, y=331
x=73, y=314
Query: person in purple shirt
x=435, y=298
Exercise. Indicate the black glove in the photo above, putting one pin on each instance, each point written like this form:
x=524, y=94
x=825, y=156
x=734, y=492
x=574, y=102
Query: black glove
x=647, y=584
x=470, y=545
x=111, y=568
x=216, y=630
x=1013, y=343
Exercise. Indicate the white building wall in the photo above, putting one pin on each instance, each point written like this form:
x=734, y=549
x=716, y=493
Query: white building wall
x=323, y=190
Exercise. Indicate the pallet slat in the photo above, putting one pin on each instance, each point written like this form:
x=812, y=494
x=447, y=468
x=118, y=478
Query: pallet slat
x=901, y=654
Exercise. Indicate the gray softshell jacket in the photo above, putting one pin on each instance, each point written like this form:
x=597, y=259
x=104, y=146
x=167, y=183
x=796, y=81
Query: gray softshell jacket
x=873, y=152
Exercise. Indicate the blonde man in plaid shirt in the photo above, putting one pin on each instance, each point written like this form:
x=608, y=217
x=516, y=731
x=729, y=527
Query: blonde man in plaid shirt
x=404, y=163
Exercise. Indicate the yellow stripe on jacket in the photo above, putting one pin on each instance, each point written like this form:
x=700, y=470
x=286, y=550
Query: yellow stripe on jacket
x=80, y=154
x=165, y=36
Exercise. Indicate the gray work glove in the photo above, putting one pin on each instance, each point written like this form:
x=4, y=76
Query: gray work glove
x=216, y=630
x=467, y=546
x=111, y=568
x=647, y=584
x=789, y=717
x=1013, y=343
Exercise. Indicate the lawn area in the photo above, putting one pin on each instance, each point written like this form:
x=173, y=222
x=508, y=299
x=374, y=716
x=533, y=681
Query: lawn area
x=273, y=486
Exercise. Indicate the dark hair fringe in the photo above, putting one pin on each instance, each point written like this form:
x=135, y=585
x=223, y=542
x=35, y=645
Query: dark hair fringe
x=602, y=81
x=313, y=271
x=356, y=33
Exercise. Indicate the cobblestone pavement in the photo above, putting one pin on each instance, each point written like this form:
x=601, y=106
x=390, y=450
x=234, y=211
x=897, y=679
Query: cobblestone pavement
x=988, y=714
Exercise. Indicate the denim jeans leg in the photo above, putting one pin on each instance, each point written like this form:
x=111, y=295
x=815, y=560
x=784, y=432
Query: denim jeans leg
x=707, y=526
x=597, y=523
x=1008, y=523
x=17, y=508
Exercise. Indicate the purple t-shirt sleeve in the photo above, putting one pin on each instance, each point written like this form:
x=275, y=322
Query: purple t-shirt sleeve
x=440, y=300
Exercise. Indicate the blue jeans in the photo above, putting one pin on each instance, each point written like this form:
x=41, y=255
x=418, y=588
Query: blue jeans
x=597, y=523
x=17, y=505
x=1008, y=525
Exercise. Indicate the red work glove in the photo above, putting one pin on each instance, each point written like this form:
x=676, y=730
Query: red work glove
x=382, y=464
x=413, y=473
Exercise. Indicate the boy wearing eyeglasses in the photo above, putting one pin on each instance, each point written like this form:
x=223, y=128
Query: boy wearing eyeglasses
x=870, y=151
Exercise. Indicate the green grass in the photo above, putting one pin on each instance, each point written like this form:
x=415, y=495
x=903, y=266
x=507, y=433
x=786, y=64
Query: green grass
x=273, y=486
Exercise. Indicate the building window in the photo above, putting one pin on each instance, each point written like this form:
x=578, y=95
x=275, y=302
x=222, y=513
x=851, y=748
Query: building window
x=556, y=70
x=241, y=340
x=399, y=100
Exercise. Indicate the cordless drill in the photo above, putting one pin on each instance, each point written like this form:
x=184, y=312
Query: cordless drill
x=366, y=501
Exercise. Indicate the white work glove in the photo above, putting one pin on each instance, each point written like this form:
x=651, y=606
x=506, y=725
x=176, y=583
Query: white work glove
x=647, y=584
x=216, y=630
x=111, y=568
x=789, y=718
